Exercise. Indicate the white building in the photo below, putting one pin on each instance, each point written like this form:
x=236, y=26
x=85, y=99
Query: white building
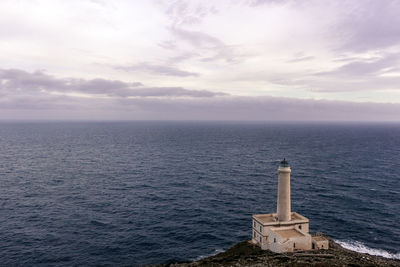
x=284, y=231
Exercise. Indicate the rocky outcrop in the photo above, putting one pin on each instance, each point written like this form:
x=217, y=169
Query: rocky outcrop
x=247, y=254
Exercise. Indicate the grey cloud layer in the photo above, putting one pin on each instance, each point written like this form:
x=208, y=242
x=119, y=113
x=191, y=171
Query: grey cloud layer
x=21, y=83
x=26, y=95
x=223, y=108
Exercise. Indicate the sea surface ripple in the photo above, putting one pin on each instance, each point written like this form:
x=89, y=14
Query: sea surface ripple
x=134, y=193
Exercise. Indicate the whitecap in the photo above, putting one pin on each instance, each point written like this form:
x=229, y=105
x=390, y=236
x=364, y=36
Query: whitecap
x=360, y=247
x=209, y=255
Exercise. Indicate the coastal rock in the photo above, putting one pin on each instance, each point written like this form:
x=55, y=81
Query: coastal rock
x=248, y=254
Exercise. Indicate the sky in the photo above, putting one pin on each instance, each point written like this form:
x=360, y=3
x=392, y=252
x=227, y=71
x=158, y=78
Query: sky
x=307, y=60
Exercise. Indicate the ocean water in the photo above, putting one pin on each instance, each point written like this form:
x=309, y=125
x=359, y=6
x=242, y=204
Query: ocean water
x=135, y=193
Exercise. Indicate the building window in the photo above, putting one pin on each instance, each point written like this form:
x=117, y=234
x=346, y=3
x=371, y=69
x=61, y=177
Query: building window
x=254, y=224
x=260, y=239
x=294, y=245
x=274, y=240
x=254, y=234
x=300, y=226
x=260, y=229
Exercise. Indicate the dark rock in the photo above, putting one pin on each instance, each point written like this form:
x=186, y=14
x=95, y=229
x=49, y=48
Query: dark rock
x=247, y=254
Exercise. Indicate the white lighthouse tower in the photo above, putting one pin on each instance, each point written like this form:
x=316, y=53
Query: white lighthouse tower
x=284, y=231
x=283, y=203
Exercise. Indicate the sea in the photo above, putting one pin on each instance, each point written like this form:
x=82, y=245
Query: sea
x=149, y=192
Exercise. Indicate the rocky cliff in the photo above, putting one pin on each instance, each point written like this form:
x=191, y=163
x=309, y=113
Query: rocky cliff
x=247, y=254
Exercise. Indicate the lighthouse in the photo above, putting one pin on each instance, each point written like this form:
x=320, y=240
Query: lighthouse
x=283, y=202
x=284, y=231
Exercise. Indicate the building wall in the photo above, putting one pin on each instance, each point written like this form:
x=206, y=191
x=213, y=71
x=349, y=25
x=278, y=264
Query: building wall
x=303, y=227
x=301, y=243
x=266, y=238
x=275, y=242
x=258, y=233
x=320, y=244
x=278, y=244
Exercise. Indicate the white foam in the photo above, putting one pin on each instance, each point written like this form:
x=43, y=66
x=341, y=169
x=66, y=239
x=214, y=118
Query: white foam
x=360, y=247
x=209, y=255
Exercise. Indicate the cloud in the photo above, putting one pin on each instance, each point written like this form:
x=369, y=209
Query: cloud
x=264, y=108
x=19, y=83
x=157, y=69
x=14, y=80
x=300, y=59
x=30, y=95
x=377, y=73
x=196, y=38
x=369, y=25
x=265, y=2
x=99, y=2
x=173, y=92
x=182, y=12
x=351, y=26
x=202, y=41
x=169, y=45
x=374, y=74
x=366, y=68
x=183, y=17
x=39, y=102
x=243, y=46
x=222, y=108
x=182, y=57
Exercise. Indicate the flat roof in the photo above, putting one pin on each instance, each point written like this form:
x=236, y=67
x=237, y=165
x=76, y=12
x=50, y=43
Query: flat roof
x=265, y=218
x=319, y=238
x=288, y=233
x=296, y=216
x=271, y=219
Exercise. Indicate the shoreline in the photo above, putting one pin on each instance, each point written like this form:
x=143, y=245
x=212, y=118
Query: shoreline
x=247, y=254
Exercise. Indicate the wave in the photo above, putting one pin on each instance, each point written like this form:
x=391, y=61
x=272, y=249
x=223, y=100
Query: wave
x=360, y=247
x=209, y=255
